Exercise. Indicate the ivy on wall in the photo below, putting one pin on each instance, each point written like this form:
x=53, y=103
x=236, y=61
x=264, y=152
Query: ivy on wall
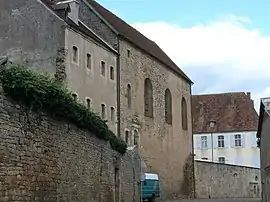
x=40, y=92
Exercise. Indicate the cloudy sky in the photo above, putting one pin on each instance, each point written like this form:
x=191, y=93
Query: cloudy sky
x=223, y=45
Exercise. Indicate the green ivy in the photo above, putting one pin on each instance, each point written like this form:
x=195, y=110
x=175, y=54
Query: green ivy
x=40, y=92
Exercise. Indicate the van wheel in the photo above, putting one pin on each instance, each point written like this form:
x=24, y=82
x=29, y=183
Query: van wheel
x=153, y=198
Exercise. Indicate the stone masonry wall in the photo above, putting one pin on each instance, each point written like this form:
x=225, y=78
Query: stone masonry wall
x=32, y=34
x=265, y=158
x=42, y=159
x=158, y=140
x=217, y=180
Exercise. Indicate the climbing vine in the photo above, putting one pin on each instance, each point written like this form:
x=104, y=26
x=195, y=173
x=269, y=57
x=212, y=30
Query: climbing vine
x=40, y=92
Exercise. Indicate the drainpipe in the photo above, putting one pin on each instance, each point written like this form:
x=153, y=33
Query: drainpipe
x=118, y=89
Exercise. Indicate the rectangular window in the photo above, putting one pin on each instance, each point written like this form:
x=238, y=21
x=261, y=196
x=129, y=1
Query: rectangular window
x=112, y=114
x=136, y=137
x=237, y=140
x=75, y=54
x=221, y=159
x=221, y=141
x=103, y=68
x=128, y=53
x=204, y=142
x=127, y=137
x=112, y=73
x=88, y=61
x=103, y=111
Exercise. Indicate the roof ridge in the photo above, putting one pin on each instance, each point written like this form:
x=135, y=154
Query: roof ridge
x=137, y=38
x=219, y=93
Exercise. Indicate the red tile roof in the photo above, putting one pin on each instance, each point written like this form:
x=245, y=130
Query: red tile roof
x=232, y=112
x=138, y=39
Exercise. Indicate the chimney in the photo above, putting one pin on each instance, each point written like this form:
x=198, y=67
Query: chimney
x=248, y=95
x=73, y=9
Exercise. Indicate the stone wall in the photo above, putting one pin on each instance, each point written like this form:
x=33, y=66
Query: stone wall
x=31, y=33
x=158, y=140
x=265, y=157
x=217, y=180
x=42, y=159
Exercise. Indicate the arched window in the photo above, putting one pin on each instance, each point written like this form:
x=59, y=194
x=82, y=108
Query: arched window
x=136, y=137
x=168, y=106
x=184, y=114
x=129, y=96
x=148, y=98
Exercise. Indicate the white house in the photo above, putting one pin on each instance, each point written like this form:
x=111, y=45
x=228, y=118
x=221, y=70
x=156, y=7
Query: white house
x=224, y=129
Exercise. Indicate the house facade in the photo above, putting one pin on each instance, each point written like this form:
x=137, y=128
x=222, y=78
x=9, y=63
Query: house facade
x=113, y=69
x=154, y=98
x=263, y=138
x=224, y=129
x=68, y=50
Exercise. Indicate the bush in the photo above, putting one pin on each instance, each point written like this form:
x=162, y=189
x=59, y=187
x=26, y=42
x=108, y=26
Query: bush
x=40, y=92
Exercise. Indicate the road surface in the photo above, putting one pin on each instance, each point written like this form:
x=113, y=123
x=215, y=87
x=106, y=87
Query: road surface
x=219, y=200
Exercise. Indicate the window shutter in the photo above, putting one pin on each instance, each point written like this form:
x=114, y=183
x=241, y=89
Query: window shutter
x=243, y=140
x=226, y=141
x=232, y=141
x=253, y=140
x=209, y=142
x=215, y=141
x=197, y=140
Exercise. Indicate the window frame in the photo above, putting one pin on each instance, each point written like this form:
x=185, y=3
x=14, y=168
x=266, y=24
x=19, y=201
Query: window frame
x=89, y=61
x=204, y=142
x=221, y=141
x=221, y=159
x=103, y=68
x=238, y=140
x=75, y=54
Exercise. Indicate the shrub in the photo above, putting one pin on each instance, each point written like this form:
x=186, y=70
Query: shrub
x=40, y=92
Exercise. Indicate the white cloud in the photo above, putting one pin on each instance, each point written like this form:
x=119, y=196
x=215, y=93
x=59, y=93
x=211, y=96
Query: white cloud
x=223, y=55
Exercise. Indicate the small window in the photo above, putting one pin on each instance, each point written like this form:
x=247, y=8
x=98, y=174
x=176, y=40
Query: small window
x=75, y=54
x=75, y=96
x=204, y=142
x=88, y=103
x=129, y=96
x=128, y=53
x=204, y=158
x=112, y=114
x=127, y=137
x=88, y=61
x=221, y=141
x=112, y=73
x=103, y=111
x=136, y=137
x=103, y=68
x=237, y=140
x=221, y=159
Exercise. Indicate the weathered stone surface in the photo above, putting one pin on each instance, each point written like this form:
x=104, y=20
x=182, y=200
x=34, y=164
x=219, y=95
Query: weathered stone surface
x=30, y=33
x=217, y=180
x=42, y=159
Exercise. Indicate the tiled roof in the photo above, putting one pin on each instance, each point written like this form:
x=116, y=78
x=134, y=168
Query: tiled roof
x=232, y=112
x=138, y=39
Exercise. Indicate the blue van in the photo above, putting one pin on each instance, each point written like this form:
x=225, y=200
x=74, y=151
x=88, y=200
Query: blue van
x=150, y=188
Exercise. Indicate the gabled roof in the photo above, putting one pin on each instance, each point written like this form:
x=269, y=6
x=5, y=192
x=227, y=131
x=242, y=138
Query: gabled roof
x=137, y=39
x=79, y=27
x=232, y=112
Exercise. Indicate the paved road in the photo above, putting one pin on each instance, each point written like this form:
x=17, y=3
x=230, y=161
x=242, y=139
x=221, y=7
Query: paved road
x=219, y=200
